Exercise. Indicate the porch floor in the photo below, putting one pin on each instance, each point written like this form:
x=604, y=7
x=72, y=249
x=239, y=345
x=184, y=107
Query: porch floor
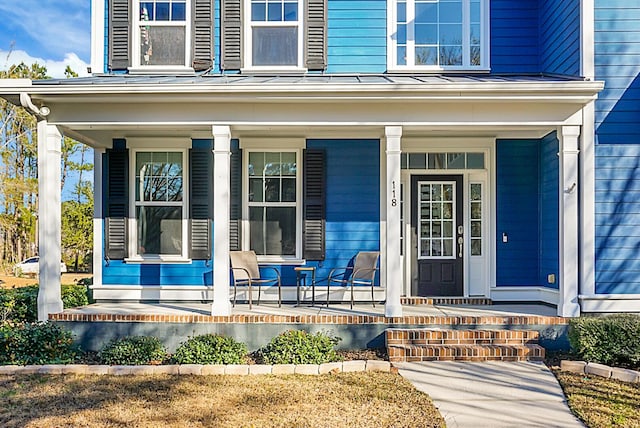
x=290, y=310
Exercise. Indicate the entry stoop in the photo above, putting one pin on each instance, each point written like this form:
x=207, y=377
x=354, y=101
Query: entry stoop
x=419, y=344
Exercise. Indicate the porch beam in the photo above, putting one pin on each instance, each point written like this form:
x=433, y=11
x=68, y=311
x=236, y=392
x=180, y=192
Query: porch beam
x=49, y=220
x=221, y=196
x=569, y=254
x=392, y=259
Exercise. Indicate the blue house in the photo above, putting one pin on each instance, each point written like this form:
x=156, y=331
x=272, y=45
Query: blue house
x=486, y=148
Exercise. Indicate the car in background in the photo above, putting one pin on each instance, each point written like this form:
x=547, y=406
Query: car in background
x=31, y=266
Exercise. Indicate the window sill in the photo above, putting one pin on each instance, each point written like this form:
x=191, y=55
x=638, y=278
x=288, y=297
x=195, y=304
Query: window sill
x=157, y=260
x=161, y=69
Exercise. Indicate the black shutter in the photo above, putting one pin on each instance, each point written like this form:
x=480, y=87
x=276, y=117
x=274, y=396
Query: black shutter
x=116, y=201
x=119, y=34
x=314, y=204
x=235, y=205
x=316, y=35
x=202, y=35
x=231, y=34
x=201, y=209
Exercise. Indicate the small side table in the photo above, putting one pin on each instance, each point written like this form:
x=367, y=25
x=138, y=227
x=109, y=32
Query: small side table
x=299, y=278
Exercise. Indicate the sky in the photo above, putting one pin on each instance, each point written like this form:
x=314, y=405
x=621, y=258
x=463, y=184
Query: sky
x=54, y=33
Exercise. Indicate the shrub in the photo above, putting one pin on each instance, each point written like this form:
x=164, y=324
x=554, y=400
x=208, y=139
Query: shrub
x=133, y=350
x=611, y=340
x=300, y=347
x=210, y=349
x=21, y=304
x=36, y=343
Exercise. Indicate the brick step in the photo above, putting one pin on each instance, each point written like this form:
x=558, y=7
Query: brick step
x=416, y=301
x=460, y=337
x=413, y=353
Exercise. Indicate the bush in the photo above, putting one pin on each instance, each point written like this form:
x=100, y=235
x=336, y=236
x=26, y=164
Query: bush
x=300, y=347
x=133, y=350
x=210, y=349
x=21, y=304
x=611, y=340
x=36, y=343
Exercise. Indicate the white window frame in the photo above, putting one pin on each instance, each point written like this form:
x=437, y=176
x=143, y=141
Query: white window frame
x=248, y=43
x=392, y=45
x=246, y=231
x=135, y=36
x=134, y=255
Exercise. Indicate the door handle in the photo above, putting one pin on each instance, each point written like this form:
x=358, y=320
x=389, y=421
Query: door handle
x=460, y=242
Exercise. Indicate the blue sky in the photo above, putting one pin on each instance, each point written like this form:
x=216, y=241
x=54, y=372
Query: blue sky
x=55, y=33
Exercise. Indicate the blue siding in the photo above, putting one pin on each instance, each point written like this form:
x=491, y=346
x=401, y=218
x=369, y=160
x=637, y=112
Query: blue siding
x=121, y=273
x=514, y=36
x=353, y=200
x=617, y=219
x=560, y=36
x=357, y=36
x=517, y=169
x=617, y=47
x=549, y=233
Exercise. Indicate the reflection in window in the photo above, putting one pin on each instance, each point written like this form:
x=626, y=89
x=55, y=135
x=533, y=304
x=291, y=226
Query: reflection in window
x=275, y=32
x=163, y=32
x=272, y=203
x=159, y=195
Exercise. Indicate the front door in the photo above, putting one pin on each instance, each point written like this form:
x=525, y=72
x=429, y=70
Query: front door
x=437, y=216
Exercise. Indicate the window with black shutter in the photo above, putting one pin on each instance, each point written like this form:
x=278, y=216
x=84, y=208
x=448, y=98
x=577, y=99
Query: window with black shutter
x=314, y=205
x=201, y=202
x=116, y=200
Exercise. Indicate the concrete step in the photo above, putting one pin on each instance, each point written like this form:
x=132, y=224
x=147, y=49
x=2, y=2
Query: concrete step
x=465, y=345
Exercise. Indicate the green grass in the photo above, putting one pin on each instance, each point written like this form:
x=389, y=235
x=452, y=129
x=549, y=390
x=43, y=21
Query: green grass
x=600, y=402
x=364, y=400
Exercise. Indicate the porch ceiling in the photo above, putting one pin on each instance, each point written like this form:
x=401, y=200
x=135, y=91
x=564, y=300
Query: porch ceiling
x=97, y=109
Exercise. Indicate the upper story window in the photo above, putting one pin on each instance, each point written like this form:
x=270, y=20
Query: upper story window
x=162, y=33
x=439, y=35
x=274, y=34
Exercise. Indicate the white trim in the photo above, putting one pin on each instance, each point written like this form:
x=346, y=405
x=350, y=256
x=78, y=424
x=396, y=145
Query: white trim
x=98, y=35
x=248, y=38
x=158, y=143
x=98, y=222
x=265, y=144
x=272, y=146
x=392, y=261
x=392, y=45
x=153, y=292
x=134, y=256
x=135, y=37
x=587, y=39
x=610, y=303
x=525, y=294
x=587, y=202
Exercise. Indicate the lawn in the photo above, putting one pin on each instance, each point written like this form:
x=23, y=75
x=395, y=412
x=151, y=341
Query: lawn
x=342, y=400
x=600, y=402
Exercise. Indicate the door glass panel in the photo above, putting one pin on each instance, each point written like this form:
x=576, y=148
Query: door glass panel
x=437, y=211
x=476, y=218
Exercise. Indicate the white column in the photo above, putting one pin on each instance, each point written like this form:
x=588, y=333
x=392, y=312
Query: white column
x=221, y=198
x=568, y=218
x=49, y=214
x=97, y=217
x=393, y=272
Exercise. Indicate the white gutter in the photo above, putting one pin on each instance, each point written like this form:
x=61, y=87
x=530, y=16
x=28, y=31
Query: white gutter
x=25, y=101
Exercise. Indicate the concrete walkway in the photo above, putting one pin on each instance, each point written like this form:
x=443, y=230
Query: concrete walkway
x=492, y=394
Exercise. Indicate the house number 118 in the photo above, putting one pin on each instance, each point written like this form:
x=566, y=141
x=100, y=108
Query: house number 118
x=394, y=200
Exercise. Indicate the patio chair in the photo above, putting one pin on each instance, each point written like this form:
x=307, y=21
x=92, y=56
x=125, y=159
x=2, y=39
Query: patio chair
x=363, y=272
x=246, y=271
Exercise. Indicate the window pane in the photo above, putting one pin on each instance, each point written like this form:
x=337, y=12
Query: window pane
x=288, y=163
x=402, y=55
x=447, y=249
x=159, y=230
x=450, y=34
x=273, y=230
x=475, y=55
x=417, y=161
x=476, y=247
x=476, y=210
x=255, y=190
x=402, y=34
x=426, y=13
x=275, y=46
x=288, y=190
x=476, y=192
x=451, y=55
x=162, y=11
x=402, y=12
x=475, y=160
x=451, y=12
x=426, y=56
x=272, y=190
x=146, y=11
x=475, y=11
x=436, y=160
x=162, y=45
x=272, y=165
x=291, y=12
x=455, y=160
x=426, y=34
x=256, y=163
x=258, y=11
x=274, y=12
x=178, y=12
x=476, y=229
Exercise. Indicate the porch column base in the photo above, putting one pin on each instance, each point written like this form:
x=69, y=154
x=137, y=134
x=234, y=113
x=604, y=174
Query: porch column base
x=221, y=195
x=49, y=220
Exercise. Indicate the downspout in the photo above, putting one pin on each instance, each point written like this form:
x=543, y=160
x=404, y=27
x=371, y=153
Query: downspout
x=25, y=101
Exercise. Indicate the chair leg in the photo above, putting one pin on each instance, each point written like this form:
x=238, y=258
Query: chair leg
x=259, y=289
x=235, y=292
x=351, y=294
x=250, y=296
x=373, y=300
x=328, y=285
x=279, y=294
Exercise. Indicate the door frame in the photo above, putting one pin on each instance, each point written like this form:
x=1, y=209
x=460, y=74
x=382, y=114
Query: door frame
x=479, y=273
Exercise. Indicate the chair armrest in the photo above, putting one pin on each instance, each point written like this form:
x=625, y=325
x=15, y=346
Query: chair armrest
x=342, y=271
x=244, y=270
x=274, y=269
x=364, y=270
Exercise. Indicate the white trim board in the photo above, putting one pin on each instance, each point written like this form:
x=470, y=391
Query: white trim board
x=610, y=303
x=525, y=294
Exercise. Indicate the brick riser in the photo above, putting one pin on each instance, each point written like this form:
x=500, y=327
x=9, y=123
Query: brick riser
x=417, y=301
x=464, y=345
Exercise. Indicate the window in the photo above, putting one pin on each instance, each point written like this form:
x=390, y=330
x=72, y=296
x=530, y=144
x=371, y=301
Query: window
x=438, y=34
x=442, y=160
x=476, y=219
x=160, y=205
x=274, y=36
x=162, y=33
x=273, y=202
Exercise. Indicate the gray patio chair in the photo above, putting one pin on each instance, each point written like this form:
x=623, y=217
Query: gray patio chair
x=363, y=272
x=246, y=271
